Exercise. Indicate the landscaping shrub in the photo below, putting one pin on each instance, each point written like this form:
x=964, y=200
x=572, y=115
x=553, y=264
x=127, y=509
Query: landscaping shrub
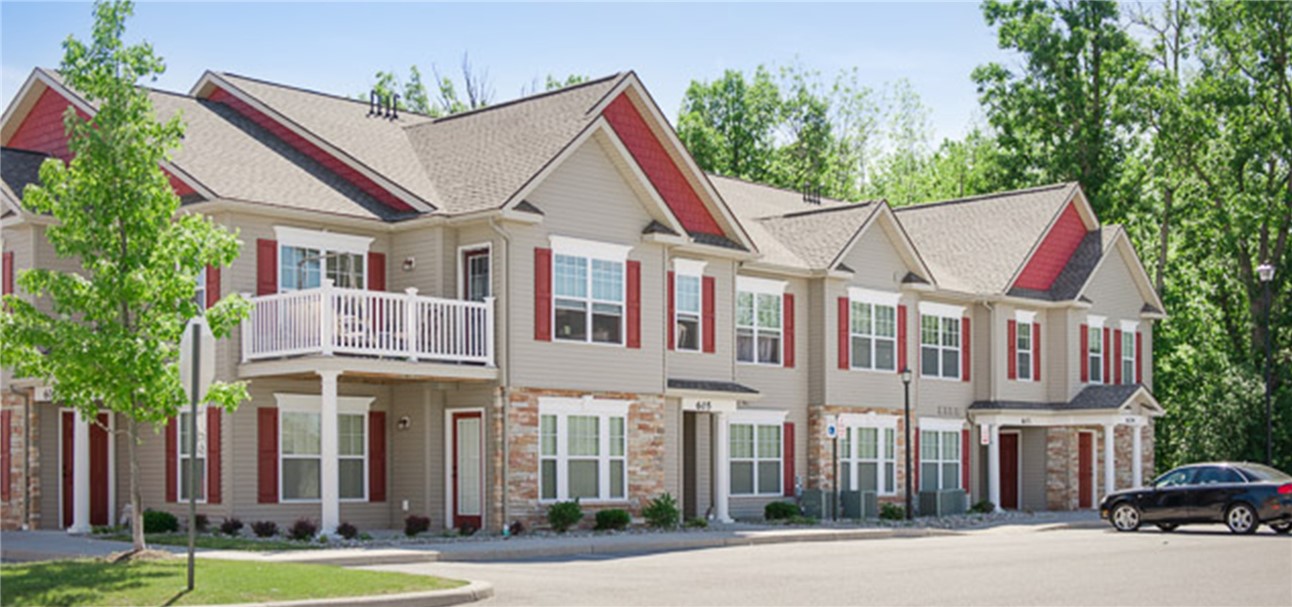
x=696, y=522
x=202, y=522
x=467, y=529
x=891, y=512
x=613, y=519
x=347, y=531
x=414, y=524
x=264, y=528
x=662, y=512
x=517, y=528
x=231, y=526
x=563, y=515
x=982, y=507
x=156, y=521
x=303, y=530
x=779, y=510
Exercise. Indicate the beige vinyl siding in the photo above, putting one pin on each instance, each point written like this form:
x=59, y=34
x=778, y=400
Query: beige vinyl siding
x=717, y=366
x=1114, y=296
x=410, y=450
x=1062, y=353
x=425, y=247
x=1031, y=469
x=1015, y=389
x=673, y=448
x=50, y=462
x=588, y=198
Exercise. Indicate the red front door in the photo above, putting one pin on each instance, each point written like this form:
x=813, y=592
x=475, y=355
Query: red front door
x=1085, y=470
x=1009, y=471
x=99, y=473
x=468, y=469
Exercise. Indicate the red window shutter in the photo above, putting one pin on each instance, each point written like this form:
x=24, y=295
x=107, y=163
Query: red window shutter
x=542, y=294
x=377, y=456
x=672, y=309
x=213, y=455
x=788, y=460
x=1107, y=358
x=6, y=458
x=1011, y=347
x=964, y=460
x=965, y=349
x=376, y=271
x=267, y=455
x=845, y=335
x=788, y=311
x=1117, y=356
x=266, y=266
x=1036, y=351
x=212, y=285
x=901, y=338
x=634, y=319
x=710, y=320
x=8, y=271
x=172, y=460
x=1139, y=357
x=1085, y=353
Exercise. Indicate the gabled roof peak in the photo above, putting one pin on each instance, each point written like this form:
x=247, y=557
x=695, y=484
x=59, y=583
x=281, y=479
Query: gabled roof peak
x=981, y=197
x=565, y=89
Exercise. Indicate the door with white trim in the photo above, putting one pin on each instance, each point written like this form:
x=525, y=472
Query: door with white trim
x=468, y=469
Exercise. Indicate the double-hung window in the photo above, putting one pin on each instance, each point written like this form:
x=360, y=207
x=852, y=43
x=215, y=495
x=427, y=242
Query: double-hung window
x=755, y=454
x=687, y=298
x=1095, y=355
x=758, y=320
x=1023, y=346
x=583, y=449
x=199, y=292
x=588, y=291
x=939, y=341
x=186, y=457
x=874, y=336
x=939, y=459
x=868, y=457
x=300, y=450
x=1128, y=354
x=306, y=257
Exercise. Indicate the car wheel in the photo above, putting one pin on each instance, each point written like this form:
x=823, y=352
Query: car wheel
x=1167, y=527
x=1241, y=518
x=1125, y=517
x=1282, y=528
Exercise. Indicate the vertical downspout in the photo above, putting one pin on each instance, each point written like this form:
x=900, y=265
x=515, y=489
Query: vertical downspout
x=505, y=320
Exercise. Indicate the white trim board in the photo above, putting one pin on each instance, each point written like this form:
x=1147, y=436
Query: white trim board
x=578, y=247
x=317, y=239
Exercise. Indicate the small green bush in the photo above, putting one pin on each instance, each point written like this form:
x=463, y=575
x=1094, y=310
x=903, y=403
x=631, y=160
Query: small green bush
x=982, y=507
x=891, y=512
x=779, y=510
x=264, y=528
x=347, y=531
x=414, y=524
x=563, y=515
x=662, y=512
x=696, y=522
x=613, y=519
x=156, y=521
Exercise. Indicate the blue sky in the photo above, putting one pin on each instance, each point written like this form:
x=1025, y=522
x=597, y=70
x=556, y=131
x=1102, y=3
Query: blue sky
x=336, y=47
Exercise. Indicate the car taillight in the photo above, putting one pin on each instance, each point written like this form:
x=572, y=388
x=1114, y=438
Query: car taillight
x=1285, y=489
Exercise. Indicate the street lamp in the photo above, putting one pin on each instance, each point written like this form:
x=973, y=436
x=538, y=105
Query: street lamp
x=1266, y=273
x=910, y=501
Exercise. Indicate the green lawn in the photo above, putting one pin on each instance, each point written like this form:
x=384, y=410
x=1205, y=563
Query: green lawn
x=98, y=582
x=216, y=542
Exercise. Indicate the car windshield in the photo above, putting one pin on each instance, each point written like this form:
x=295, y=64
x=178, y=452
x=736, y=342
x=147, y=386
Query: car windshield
x=1259, y=473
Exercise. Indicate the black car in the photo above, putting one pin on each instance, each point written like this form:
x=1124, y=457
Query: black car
x=1241, y=495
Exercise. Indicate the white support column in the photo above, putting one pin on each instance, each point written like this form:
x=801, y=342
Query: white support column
x=329, y=494
x=1137, y=452
x=80, y=475
x=1110, y=467
x=993, y=467
x=721, y=468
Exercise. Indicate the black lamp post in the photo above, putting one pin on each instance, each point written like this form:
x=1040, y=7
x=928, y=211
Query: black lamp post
x=910, y=500
x=1266, y=273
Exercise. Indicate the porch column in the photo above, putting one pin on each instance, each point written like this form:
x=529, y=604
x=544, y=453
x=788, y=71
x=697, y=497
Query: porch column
x=80, y=475
x=993, y=467
x=1137, y=464
x=721, y=468
x=1110, y=467
x=329, y=490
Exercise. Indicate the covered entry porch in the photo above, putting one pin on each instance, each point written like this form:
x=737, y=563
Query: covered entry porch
x=1065, y=456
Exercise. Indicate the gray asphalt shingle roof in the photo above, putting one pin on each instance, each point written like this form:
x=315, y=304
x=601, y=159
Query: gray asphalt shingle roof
x=818, y=236
x=706, y=385
x=18, y=168
x=1089, y=398
x=752, y=203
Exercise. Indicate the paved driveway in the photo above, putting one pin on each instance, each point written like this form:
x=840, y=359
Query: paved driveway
x=1004, y=566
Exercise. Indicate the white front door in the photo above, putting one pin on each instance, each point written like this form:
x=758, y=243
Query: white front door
x=468, y=474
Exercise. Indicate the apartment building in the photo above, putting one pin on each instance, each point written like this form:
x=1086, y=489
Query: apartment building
x=473, y=317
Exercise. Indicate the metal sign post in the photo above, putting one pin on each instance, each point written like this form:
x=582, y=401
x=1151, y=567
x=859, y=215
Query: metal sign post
x=197, y=371
x=832, y=431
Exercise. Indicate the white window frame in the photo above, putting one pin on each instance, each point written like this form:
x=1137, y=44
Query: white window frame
x=756, y=287
x=873, y=300
x=1095, y=349
x=181, y=459
x=603, y=410
x=199, y=293
x=1023, y=356
x=945, y=315
x=325, y=243
x=591, y=251
x=758, y=419
x=1129, y=330
x=462, y=270
x=938, y=428
x=694, y=270
x=885, y=427
x=313, y=404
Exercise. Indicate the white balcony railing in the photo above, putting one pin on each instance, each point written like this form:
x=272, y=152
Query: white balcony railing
x=332, y=320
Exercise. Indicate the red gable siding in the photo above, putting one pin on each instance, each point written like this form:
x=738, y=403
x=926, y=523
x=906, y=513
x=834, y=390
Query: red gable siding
x=42, y=131
x=1056, y=249
x=302, y=145
x=659, y=167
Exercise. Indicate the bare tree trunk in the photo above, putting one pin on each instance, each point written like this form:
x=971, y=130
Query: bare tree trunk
x=1168, y=197
x=136, y=495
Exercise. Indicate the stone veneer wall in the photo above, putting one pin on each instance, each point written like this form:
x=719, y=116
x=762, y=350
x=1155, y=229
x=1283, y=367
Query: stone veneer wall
x=820, y=449
x=1061, y=466
x=12, y=515
x=646, y=453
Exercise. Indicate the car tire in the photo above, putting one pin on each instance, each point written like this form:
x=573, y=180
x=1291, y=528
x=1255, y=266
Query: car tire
x=1282, y=528
x=1241, y=518
x=1125, y=517
x=1167, y=527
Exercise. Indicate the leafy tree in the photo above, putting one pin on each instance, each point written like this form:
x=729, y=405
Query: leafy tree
x=729, y=125
x=109, y=338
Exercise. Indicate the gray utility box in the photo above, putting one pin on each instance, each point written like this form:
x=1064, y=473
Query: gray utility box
x=860, y=504
x=943, y=503
x=817, y=504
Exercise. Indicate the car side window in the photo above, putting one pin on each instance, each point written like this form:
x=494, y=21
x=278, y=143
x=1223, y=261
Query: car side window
x=1175, y=478
x=1213, y=475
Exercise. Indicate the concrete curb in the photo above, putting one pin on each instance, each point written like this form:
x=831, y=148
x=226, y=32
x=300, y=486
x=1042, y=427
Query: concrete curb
x=472, y=592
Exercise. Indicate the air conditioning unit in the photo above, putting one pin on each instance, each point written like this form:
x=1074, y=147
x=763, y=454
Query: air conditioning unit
x=860, y=504
x=943, y=503
x=817, y=504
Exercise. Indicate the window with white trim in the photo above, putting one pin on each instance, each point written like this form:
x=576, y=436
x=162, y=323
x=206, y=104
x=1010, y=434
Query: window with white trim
x=1128, y=357
x=300, y=454
x=199, y=292
x=868, y=459
x=755, y=459
x=583, y=456
x=874, y=336
x=939, y=346
x=306, y=257
x=588, y=297
x=1023, y=350
x=1095, y=354
x=352, y=456
x=184, y=436
x=758, y=328
x=687, y=309
x=939, y=460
